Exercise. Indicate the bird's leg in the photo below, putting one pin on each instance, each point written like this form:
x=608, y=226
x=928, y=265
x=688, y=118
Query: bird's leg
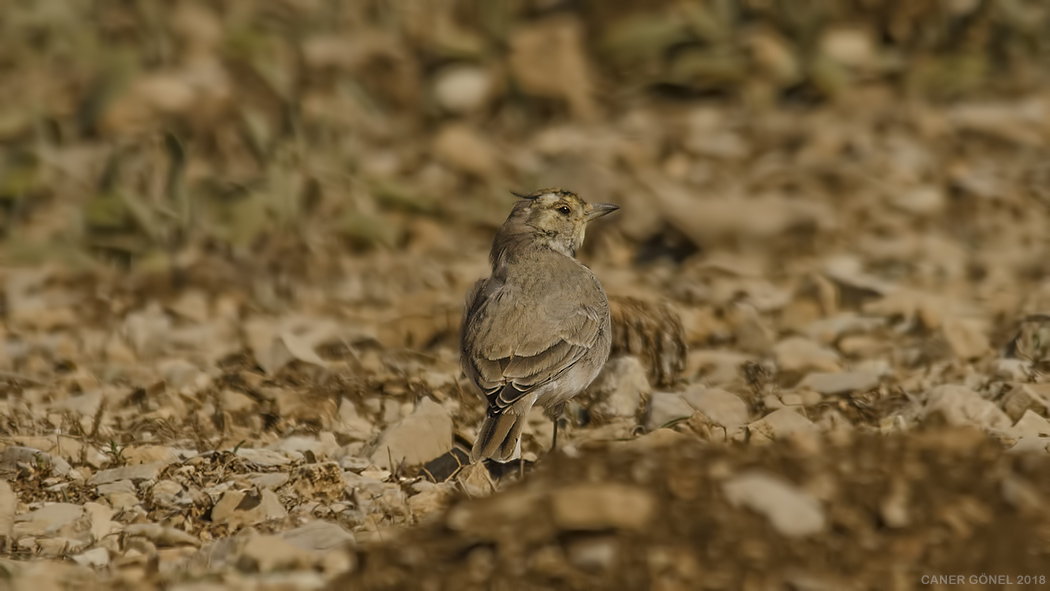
x=555, y=413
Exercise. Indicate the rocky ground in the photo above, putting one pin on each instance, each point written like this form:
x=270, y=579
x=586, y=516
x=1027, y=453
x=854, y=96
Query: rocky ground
x=233, y=276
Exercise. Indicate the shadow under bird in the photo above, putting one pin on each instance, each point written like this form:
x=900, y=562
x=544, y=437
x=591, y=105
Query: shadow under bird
x=537, y=331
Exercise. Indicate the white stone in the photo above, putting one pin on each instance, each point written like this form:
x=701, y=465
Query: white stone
x=416, y=439
x=840, y=383
x=792, y=511
x=620, y=386
x=961, y=406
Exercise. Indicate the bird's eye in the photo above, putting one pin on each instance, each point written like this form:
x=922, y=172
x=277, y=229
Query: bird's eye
x=564, y=210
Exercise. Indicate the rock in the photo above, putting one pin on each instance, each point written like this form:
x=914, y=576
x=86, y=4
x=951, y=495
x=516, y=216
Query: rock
x=46, y=520
x=830, y=330
x=893, y=509
x=464, y=148
x=719, y=406
x=462, y=89
x=264, y=458
x=136, y=473
x=120, y=486
x=238, y=508
x=30, y=456
x=416, y=439
x=965, y=336
x=792, y=511
x=432, y=500
x=101, y=517
x=840, y=383
x=1021, y=398
x=161, y=535
x=476, y=481
x=961, y=406
x=620, y=387
x=600, y=506
x=168, y=494
x=354, y=463
x=779, y=424
x=799, y=354
x=716, y=367
x=1032, y=432
x=95, y=558
x=664, y=408
x=318, y=536
x=322, y=446
x=548, y=58
x=1014, y=370
x=752, y=333
x=270, y=480
x=593, y=554
x=351, y=424
x=271, y=553
x=8, y=506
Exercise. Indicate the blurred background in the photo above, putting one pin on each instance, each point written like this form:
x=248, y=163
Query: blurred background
x=235, y=238
x=133, y=133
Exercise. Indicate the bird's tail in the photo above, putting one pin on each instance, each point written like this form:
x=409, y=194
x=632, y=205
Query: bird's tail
x=499, y=438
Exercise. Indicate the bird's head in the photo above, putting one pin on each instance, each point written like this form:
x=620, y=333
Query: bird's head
x=553, y=217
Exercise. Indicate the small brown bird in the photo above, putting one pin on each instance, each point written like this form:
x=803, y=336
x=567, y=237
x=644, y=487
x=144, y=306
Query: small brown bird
x=537, y=330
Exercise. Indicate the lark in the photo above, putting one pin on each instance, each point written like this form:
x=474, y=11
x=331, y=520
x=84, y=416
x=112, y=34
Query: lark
x=537, y=331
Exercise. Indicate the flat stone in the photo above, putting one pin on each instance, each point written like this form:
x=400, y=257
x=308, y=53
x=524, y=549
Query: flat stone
x=263, y=457
x=120, y=486
x=47, y=519
x=318, y=536
x=1022, y=397
x=719, y=406
x=778, y=424
x=160, y=535
x=966, y=337
x=717, y=367
x=240, y=508
x=665, y=408
x=799, y=354
x=271, y=553
x=619, y=387
x=600, y=506
x=961, y=407
x=351, y=423
x=840, y=383
x=101, y=517
x=593, y=554
x=321, y=446
x=136, y=473
x=95, y=558
x=1032, y=432
x=8, y=506
x=792, y=511
x=270, y=480
x=416, y=439
x=829, y=330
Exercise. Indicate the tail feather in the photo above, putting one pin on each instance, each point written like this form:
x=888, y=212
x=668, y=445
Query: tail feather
x=499, y=438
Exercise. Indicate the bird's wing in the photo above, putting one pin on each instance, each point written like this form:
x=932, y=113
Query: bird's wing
x=510, y=349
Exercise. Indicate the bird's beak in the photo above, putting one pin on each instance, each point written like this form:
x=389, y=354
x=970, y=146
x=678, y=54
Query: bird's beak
x=597, y=210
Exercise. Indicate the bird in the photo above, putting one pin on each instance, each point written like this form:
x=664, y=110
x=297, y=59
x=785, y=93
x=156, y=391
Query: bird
x=537, y=330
